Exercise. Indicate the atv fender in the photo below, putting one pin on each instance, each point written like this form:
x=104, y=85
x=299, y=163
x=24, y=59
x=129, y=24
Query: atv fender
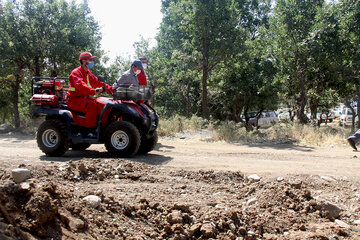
x=122, y=109
x=128, y=114
x=50, y=113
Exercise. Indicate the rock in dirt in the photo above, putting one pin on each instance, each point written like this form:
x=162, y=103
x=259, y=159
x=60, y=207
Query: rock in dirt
x=254, y=178
x=330, y=211
x=93, y=200
x=182, y=207
x=251, y=201
x=328, y=179
x=208, y=230
x=175, y=217
x=20, y=174
x=194, y=228
x=40, y=209
x=82, y=168
x=25, y=186
x=74, y=224
x=296, y=183
x=342, y=224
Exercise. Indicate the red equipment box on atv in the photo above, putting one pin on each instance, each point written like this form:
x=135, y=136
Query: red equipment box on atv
x=126, y=123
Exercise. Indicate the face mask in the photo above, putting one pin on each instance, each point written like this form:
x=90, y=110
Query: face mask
x=144, y=65
x=137, y=72
x=90, y=65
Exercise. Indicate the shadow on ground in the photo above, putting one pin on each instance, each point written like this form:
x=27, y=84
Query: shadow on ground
x=287, y=146
x=150, y=158
x=16, y=137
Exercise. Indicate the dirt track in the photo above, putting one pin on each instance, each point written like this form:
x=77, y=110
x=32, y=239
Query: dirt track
x=194, y=154
x=185, y=189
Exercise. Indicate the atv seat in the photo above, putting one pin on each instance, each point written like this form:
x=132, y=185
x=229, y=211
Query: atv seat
x=66, y=107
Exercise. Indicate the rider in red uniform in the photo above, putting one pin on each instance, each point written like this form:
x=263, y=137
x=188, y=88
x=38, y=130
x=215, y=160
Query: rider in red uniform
x=82, y=85
x=141, y=76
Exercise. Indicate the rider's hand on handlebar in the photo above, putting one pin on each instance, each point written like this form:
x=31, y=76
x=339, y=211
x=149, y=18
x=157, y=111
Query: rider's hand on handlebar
x=98, y=90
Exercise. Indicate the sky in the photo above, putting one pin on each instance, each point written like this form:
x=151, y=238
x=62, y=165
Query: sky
x=124, y=21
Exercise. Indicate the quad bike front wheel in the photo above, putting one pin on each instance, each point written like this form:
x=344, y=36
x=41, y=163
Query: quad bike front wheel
x=51, y=138
x=122, y=139
x=148, y=144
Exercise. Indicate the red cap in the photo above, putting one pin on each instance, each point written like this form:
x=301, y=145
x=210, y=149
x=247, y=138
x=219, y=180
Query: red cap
x=86, y=55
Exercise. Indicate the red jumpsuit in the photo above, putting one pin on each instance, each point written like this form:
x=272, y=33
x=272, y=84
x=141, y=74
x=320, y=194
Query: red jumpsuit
x=82, y=84
x=142, y=78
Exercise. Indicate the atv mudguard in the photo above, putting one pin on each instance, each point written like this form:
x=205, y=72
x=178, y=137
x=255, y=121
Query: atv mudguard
x=55, y=113
x=143, y=122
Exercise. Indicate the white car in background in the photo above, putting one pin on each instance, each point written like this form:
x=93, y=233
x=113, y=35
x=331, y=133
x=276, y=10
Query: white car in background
x=267, y=119
x=330, y=116
x=338, y=110
x=283, y=115
x=346, y=117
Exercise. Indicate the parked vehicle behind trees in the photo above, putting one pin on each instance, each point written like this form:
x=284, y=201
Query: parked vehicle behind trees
x=346, y=117
x=285, y=114
x=263, y=119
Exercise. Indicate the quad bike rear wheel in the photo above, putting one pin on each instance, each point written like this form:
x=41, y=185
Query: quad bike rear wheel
x=51, y=138
x=148, y=144
x=79, y=146
x=122, y=139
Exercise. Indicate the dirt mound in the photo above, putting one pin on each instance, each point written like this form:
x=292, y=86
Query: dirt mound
x=139, y=201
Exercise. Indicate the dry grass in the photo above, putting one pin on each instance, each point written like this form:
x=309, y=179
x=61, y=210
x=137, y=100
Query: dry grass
x=285, y=132
x=326, y=135
x=173, y=125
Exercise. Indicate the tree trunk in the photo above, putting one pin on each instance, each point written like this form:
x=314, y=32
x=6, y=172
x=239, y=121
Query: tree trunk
x=15, y=100
x=302, y=100
x=347, y=104
x=54, y=71
x=314, y=103
x=205, y=69
x=237, y=109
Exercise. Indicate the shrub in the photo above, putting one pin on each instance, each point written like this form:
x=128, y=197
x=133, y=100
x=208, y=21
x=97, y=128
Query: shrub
x=175, y=124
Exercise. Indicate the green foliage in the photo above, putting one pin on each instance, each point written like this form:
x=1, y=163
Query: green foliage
x=307, y=49
x=208, y=53
x=350, y=37
x=195, y=36
x=218, y=58
x=42, y=37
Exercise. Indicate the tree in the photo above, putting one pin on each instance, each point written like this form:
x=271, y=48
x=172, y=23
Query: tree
x=291, y=26
x=205, y=27
x=13, y=48
x=350, y=34
x=43, y=36
x=248, y=82
x=324, y=61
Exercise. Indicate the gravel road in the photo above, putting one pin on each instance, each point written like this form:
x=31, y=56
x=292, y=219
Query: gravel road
x=194, y=154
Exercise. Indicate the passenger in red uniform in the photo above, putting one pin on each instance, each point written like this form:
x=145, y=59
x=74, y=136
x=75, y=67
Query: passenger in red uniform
x=141, y=76
x=82, y=85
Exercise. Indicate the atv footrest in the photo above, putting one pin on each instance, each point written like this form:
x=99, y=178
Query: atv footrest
x=80, y=139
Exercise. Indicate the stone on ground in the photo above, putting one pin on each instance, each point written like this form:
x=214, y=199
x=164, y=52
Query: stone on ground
x=20, y=174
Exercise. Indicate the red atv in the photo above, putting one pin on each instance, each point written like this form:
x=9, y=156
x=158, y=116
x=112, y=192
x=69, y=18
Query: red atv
x=126, y=122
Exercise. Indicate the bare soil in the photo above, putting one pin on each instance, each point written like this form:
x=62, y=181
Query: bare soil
x=188, y=188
